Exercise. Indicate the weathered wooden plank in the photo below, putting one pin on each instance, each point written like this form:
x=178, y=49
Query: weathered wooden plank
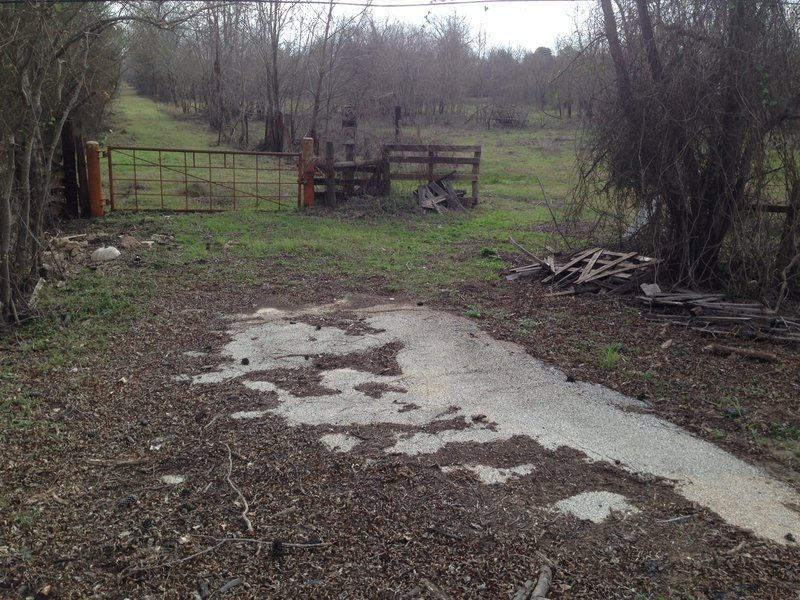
x=575, y=260
x=599, y=272
x=528, y=253
x=424, y=177
x=587, y=269
x=435, y=160
x=427, y=147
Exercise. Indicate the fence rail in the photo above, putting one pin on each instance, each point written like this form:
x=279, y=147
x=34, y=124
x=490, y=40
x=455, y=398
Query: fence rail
x=175, y=179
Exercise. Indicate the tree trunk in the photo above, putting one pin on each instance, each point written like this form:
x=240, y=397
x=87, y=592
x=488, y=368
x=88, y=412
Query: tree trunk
x=6, y=310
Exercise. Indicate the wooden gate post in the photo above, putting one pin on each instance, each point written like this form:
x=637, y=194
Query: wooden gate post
x=308, y=166
x=93, y=176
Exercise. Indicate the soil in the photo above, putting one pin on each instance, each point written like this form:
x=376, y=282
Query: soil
x=86, y=512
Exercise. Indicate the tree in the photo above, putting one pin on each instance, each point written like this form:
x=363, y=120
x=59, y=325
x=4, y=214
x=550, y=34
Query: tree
x=55, y=60
x=687, y=130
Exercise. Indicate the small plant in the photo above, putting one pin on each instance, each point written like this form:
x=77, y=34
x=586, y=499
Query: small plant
x=731, y=407
x=717, y=434
x=526, y=325
x=610, y=356
x=785, y=431
x=489, y=253
x=474, y=312
x=649, y=376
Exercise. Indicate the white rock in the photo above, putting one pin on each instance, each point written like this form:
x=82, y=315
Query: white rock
x=105, y=254
x=173, y=479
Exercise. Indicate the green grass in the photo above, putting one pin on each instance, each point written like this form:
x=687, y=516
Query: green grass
x=138, y=121
x=74, y=323
x=217, y=177
x=610, y=356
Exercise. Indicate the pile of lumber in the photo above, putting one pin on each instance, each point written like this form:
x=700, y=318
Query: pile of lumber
x=595, y=270
x=508, y=116
x=714, y=315
x=440, y=195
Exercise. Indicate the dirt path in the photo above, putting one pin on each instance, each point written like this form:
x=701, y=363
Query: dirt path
x=181, y=470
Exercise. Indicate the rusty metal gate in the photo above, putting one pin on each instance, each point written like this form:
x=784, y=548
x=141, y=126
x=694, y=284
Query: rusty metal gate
x=201, y=180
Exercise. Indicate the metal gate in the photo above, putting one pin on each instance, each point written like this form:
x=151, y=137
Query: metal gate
x=201, y=180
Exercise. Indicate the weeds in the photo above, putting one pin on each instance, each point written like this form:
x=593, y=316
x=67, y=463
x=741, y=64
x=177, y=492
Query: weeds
x=610, y=356
x=474, y=312
x=731, y=407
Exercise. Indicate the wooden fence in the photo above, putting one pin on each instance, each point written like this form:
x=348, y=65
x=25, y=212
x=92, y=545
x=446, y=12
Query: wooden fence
x=431, y=162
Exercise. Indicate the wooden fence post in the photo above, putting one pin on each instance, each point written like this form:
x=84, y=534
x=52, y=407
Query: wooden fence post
x=93, y=176
x=349, y=173
x=307, y=168
x=476, y=170
x=397, y=115
x=330, y=176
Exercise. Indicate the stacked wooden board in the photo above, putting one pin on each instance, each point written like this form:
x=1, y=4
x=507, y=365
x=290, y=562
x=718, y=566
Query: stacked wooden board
x=596, y=270
x=440, y=196
x=714, y=315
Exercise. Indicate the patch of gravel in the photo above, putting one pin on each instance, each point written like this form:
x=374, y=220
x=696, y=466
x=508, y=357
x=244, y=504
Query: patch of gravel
x=596, y=507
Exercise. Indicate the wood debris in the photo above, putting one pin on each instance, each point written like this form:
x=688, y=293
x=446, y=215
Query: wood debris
x=440, y=195
x=713, y=314
x=596, y=270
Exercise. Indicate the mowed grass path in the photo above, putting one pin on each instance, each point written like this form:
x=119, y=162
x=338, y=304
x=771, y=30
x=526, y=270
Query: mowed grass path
x=188, y=181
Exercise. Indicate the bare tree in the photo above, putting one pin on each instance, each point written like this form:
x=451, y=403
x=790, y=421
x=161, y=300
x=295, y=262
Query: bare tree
x=685, y=133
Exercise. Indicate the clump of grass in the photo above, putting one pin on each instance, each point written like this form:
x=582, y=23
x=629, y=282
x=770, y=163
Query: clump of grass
x=474, y=312
x=731, y=407
x=610, y=356
x=785, y=431
x=526, y=325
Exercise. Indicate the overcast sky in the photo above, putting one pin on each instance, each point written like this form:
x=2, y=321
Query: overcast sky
x=507, y=24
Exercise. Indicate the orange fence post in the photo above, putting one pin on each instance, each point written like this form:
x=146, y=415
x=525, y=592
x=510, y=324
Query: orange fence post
x=94, y=181
x=308, y=167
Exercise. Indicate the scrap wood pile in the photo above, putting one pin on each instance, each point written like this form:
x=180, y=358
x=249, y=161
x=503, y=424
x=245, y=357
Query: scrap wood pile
x=594, y=270
x=440, y=195
x=713, y=315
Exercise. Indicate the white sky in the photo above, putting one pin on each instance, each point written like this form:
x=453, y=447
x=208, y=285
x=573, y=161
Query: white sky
x=525, y=25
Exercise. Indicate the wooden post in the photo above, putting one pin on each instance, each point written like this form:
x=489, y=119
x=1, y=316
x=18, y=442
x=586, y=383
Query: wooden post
x=307, y=168
x=109, y=152
x=431, y=156
x=330, y=176
x=476, y=170
x=93, y=176
x=349, y=124
x=347, y=174
x=398, y=111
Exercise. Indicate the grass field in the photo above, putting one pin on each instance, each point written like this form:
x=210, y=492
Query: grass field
x=413, y=252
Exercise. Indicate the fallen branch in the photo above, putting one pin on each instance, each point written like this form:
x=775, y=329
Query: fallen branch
x=543, y=585
x=528, y=253
x=119, y=462
x=245, y=506
x=529, y=591
x=434, y=589
x=746, y=352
